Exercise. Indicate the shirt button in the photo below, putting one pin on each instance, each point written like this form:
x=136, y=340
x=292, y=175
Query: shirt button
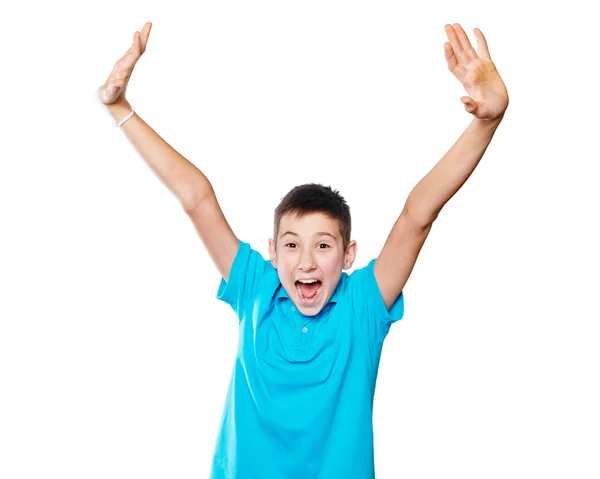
x=294, y=308
x=304, y=329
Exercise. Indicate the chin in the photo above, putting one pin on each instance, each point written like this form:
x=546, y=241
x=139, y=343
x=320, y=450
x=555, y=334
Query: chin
x=310, y=307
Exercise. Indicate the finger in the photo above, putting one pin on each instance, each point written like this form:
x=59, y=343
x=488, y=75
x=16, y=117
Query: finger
x=459, y=51
x=131, y=56
x=464, y=42
x=470, y=104
x=116, y=83
x=450, y=57
x=482, y=46
x=125, y=65
x=112, y=87
x=145, y=33
x=453, y=64
x=136, y=47
x=117, y=75
x=108, y=93
x=112, y=91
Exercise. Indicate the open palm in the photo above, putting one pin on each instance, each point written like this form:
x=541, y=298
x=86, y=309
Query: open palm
x=488, y=98
x=115, y=86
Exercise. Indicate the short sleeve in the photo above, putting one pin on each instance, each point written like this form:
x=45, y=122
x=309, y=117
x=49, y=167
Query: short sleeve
x=369, y=304
x=243, y=284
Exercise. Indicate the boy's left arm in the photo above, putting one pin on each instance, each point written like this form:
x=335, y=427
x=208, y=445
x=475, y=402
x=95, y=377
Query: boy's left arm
x=487, y=102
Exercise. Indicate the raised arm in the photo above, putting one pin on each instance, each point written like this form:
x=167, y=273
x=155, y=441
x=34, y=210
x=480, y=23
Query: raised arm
x=180, y=176
x=487, y=102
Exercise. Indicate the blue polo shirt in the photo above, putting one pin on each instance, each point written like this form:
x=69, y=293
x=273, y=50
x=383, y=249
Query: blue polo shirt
x=300, y=400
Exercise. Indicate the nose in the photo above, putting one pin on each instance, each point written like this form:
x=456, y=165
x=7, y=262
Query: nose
x=307, y=262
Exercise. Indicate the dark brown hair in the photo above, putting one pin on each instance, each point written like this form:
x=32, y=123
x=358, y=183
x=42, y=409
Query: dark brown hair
x=316, y=198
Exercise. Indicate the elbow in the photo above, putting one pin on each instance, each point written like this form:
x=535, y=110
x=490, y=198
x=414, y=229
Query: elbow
x=192, y=201
x=420, y=216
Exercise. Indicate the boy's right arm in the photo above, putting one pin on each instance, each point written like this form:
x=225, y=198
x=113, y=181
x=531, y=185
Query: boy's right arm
x=180, y=176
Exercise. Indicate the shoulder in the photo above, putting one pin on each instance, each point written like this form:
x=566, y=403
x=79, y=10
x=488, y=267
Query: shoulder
x=251, y=277
x=248, y=261
x=362, y=274
x=363, y=291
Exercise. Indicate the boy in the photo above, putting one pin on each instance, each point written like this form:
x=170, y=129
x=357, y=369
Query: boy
x=300, y=400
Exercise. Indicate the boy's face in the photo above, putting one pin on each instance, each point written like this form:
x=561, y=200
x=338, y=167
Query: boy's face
x=309, y=257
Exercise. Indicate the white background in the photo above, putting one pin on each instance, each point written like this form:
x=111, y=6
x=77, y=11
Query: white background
x=120, y=354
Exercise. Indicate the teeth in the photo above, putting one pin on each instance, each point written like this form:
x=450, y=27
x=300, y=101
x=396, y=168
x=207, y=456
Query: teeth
x=308, y=281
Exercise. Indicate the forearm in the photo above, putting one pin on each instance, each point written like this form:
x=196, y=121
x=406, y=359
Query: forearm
x=178, y=174
x=429, y=196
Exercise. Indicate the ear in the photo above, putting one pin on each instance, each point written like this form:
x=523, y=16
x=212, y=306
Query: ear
x=350, y=255
x=273, y=253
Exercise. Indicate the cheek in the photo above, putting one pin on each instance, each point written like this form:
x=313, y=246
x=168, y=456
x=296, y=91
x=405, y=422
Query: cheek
x=285, y=264
x=332, y=266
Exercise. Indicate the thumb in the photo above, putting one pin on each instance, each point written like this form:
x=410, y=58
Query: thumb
x=116, y=84
x=114, y=89
x=470, y=104
x=109, y=92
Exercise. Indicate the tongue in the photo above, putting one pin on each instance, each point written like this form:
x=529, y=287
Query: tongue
x=309, y=289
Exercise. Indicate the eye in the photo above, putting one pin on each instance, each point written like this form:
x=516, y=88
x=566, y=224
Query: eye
x=324, y=244
x=291, y=245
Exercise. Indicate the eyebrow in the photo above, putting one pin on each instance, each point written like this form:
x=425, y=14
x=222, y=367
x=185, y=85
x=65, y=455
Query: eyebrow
x=320, y=233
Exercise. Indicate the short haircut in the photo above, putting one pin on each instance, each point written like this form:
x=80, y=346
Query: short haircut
x=316, y=198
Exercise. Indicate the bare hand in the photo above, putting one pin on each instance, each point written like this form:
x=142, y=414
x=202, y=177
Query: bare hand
x=488, y=98
x=113, y=90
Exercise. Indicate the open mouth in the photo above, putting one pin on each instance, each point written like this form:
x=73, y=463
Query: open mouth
x=308, y=290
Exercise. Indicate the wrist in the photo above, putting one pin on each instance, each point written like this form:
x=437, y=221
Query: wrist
x=488, y=126
x=118, y=110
